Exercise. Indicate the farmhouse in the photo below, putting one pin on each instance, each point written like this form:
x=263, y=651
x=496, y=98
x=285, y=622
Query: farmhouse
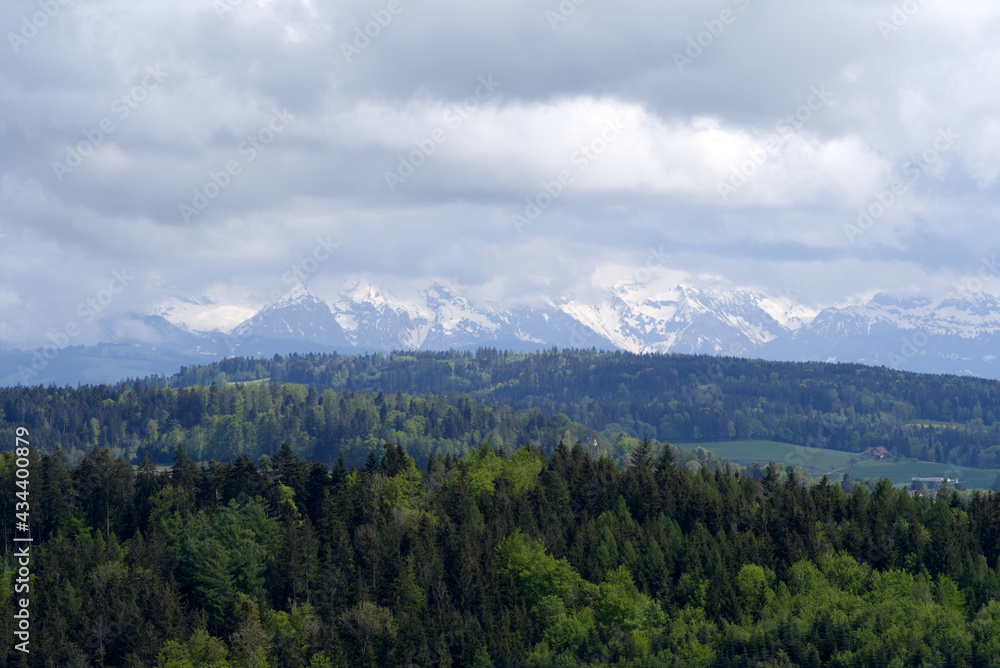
x=876, y=453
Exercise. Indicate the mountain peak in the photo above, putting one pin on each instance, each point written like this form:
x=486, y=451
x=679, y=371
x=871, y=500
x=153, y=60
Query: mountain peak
x=202, y=314
x=363, y=290
x=300, y=293
x=629, y=315
x=445, y=287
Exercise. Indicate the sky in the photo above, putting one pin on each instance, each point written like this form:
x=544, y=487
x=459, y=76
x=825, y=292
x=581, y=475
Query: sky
x=525, y=150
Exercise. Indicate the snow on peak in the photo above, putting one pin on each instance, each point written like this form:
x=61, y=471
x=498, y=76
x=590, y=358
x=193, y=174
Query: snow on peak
x=362, y=290
x=201, y=314
x=787, y=313
x=297, y=295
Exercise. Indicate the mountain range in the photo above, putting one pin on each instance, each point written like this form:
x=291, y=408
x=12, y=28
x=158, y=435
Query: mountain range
x=958, y=334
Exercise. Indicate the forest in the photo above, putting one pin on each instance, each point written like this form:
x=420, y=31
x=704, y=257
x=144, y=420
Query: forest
x=679, y=398
x=252, y=419
x=495, y=558
x=448, y=403
x=494, y=509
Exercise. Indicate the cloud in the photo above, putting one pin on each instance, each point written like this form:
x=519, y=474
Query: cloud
x=413, y=134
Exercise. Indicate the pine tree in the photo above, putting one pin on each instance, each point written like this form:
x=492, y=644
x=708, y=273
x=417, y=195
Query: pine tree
x=641, y=458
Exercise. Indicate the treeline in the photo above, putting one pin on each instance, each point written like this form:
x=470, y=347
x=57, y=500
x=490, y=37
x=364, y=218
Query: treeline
x=252, y=419
x=495, y=559
x=679, y=398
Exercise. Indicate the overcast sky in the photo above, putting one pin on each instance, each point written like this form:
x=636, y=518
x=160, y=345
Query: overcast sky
x=526, y=150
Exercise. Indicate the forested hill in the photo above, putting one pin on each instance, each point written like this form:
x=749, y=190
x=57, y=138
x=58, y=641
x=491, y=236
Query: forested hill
x=224, y=422
x=493, y=559
x=494, y=554
x=679, y=398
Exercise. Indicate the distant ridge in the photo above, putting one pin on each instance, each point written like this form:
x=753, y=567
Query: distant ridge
x=959, y=334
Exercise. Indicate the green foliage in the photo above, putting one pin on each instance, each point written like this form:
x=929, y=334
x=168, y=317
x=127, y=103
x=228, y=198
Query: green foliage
x=522, y=469
x=403, y=490
x=222, y=554
x=755, y=586
x=227, y=421
x=680, y=398
x=536, y=574
x=509, y=399
x=200, y=651
x=622, y=605
x=446, y=550
x=484, y=467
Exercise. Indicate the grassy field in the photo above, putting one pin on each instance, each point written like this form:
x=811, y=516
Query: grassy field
x=836, y=463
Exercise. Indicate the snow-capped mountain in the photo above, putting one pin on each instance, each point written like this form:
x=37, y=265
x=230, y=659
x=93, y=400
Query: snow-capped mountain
x=681, y=320
x=958, y=334
x=365, y=316
x=298, y=315
x=203, y=314
x=630, y=317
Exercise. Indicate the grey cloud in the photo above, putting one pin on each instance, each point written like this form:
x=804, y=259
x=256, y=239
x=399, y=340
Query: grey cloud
x=357, y=111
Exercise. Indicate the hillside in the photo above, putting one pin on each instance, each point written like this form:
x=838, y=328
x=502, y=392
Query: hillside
x=679, y=398
x=495, y=560
x=502, y=511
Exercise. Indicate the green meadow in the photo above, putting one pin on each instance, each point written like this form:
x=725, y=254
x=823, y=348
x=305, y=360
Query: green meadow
x=836, y=463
